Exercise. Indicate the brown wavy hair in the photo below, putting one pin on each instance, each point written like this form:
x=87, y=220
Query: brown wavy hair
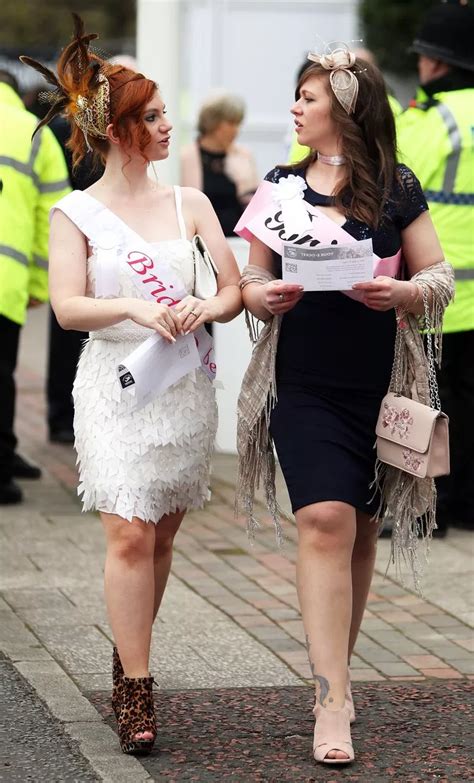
x=368, y=143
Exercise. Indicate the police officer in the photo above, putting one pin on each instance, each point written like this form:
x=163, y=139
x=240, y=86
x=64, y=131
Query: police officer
x=33, y=176
x=435, y=138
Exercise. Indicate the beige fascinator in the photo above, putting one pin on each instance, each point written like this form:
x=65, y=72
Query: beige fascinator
x=339, y=60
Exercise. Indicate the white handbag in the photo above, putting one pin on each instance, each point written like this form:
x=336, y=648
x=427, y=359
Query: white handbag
x=205, y=270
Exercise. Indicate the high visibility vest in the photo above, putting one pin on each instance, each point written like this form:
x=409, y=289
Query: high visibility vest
x=435, y=138
x=33, y=176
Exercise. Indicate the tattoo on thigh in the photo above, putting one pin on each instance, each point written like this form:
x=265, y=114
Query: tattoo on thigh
x=322, y=684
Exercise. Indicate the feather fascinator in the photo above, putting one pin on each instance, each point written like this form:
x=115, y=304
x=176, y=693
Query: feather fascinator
x=80, y=88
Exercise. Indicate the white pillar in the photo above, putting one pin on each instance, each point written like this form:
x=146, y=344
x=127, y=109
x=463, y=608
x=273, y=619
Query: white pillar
x=158, y=55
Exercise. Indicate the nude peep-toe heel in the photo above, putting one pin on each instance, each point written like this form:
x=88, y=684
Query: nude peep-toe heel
x=349, y=699
x=332, y=732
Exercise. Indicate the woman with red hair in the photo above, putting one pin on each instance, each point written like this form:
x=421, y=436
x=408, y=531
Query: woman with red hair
x=122, y=268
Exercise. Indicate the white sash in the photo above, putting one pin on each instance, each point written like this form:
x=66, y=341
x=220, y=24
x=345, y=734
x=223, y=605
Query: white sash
x=114, y=242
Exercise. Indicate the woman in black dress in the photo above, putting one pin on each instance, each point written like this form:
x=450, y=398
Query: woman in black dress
x=216, y=164
x=334, y=361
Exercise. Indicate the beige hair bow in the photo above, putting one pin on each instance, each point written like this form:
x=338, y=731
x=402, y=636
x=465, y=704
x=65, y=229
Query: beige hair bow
x=343, y=81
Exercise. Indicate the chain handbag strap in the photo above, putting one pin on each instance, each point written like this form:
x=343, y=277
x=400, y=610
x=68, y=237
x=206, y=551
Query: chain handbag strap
x=396, y=376
x=432, y=379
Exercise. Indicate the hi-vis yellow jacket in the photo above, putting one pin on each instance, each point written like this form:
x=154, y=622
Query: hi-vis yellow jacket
x=33, y=176
x=436, y=139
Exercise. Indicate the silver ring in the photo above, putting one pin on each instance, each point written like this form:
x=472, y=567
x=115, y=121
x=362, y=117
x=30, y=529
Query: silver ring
x=281, y=297
x=191, y=312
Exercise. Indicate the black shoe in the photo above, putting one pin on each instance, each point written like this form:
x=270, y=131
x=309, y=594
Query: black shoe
x=62, y=436
x=10, y=493
x=23, y=469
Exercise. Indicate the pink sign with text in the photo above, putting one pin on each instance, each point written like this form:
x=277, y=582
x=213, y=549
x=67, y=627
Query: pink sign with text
x=263, y=219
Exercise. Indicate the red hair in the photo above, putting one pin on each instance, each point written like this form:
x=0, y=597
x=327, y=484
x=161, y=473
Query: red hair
x=82, y=95
x=129, y=96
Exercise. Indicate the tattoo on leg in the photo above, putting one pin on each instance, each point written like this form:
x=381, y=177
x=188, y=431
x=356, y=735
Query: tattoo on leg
x=322, y=691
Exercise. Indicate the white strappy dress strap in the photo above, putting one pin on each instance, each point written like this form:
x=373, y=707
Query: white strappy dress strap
x=179, y=211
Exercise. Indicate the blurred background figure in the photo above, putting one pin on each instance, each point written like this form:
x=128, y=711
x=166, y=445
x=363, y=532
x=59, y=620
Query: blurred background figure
x=214, y=163
x=65, y=346
x=435, y=138
x=297, y=151
x=33, y=176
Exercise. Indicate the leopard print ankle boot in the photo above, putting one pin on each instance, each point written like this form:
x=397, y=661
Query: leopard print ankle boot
x=117, y=682
x=137, y=715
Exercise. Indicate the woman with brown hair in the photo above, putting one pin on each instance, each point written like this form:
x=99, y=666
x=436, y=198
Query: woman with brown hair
x=323, y=361
x=121, y=267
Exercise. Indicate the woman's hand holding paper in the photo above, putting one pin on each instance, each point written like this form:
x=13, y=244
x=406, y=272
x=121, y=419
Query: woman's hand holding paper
x=155, y=316
x=194, y=312
x=279, y=297
x=383, y=293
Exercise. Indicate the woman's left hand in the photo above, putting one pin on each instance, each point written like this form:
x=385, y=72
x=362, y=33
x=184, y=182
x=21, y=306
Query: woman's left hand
x=195, y=312
x=382, y=293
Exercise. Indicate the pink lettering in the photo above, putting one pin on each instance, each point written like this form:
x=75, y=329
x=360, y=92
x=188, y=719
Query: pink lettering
x=158, y=290
x=213, y=368
x=167, y=300
x=142, y=258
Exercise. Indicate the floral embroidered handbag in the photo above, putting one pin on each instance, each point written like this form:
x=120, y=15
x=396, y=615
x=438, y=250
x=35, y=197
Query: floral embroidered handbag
x=411, y=436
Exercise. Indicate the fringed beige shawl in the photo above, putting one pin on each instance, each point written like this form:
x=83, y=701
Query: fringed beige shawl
x=409, y=501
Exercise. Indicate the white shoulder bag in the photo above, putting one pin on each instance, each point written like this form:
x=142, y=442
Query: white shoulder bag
x=205, y=270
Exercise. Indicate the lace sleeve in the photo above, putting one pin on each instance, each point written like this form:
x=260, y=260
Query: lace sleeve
x=275, y=174
x=412, y=201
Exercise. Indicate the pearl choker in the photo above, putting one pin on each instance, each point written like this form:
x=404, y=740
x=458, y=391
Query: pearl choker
x=332, y=160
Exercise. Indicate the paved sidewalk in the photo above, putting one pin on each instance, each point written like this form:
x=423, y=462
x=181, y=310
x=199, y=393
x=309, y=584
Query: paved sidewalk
x=229, y=621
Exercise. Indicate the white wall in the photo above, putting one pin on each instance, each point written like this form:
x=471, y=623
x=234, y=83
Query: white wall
x=254, y=48
x=251, y=47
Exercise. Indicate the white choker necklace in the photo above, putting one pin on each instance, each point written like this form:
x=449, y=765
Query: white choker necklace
x=332, y=160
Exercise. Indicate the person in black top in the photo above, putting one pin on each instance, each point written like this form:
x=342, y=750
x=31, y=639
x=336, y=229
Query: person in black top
x=223, y=170
x=334, y=358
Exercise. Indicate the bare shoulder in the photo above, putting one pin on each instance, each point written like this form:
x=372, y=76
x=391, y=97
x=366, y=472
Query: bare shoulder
x=61, y=222
x=63, y=229
x=195, y=199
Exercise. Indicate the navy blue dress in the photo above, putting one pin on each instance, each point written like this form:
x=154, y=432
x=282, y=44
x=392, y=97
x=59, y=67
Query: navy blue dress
x=333, y=368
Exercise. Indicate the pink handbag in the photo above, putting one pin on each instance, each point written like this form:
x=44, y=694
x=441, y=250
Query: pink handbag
x=411, y=436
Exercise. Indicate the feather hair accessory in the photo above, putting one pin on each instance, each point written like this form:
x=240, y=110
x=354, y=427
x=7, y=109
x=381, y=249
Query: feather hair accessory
x=81, y=88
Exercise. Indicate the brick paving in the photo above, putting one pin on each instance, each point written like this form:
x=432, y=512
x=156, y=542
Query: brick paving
x=229, y=626
x=403, y=636
x=264, y=735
